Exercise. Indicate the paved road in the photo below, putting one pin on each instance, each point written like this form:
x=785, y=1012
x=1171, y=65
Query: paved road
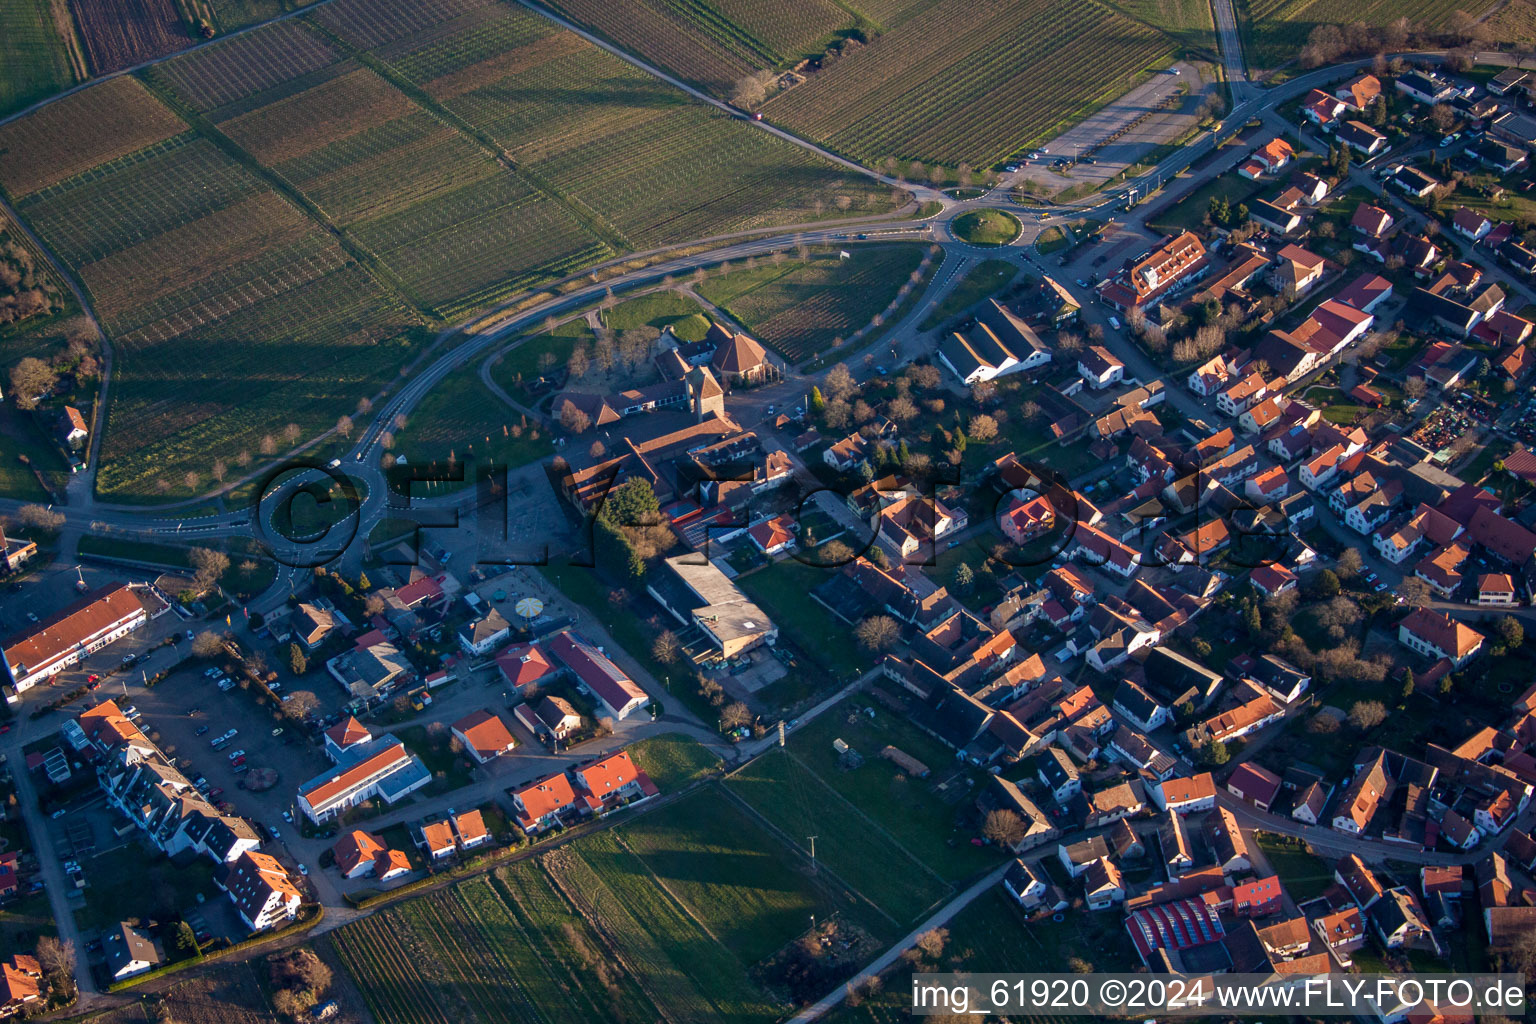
x=51, y=868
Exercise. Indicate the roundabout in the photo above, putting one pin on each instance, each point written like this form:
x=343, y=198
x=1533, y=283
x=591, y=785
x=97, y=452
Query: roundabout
x=987, y=227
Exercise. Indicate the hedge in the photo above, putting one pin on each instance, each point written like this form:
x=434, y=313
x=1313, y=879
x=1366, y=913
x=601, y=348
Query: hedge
x=315, y=912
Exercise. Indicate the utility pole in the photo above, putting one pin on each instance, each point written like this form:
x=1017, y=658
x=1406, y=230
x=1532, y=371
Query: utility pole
x=813, y=853
x=781, y=732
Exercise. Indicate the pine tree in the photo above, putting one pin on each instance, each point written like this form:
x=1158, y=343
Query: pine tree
x=817, y=403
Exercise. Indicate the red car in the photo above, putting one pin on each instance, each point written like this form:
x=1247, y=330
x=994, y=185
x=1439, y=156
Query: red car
x=237, y=762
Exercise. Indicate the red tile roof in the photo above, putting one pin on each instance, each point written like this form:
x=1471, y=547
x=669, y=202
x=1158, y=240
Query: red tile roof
x=356, y=847
x=546, y=796
x=609, y=775
x=61, y=633
x=347, y=732
x=485, y=732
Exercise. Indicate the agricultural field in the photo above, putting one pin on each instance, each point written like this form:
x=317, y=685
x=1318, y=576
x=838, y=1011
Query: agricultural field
x=801, y=308
x=691, y=977
x=1188, y=21
x=969, y=82
x=862, y=854
x=121, y=33
x=713, y=45
x=454, y=227
x=1275, y=30
x=1514, y=22
x=184, y=250
x=34, y=55
x=79, y=132
x=638, y=162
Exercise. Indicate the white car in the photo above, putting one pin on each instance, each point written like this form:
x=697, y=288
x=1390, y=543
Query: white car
x=237, y=755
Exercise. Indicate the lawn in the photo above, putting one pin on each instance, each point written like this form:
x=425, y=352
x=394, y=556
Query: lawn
x=24, y=439
x=987, y=227
x=1304, y=875
x=1189, y=213
x=460, y=422
x=920, y=816
x=984, y=279
x=781, y=590
x=730, y=873
x=863, y=855
x=249, y=573
x=1052, y=239
x=23, y=920
x=128, y=882
x=658, y=309
x=449, y=770
x=803, y=308
x=673, y=760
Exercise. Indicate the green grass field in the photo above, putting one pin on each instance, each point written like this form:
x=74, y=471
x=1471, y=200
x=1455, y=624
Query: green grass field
x=687, y=973
x=33, y=60
x=781, y=590
x=730, y=873
x=984, y=279
x=1188, y=21
x=461, y=421
x=987, y=227
x=673, y=760
x=800, y=308
x=868, y=858
x=914, y=811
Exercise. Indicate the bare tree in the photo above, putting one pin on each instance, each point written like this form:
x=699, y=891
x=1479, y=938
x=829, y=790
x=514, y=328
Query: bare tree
x=1367, y=714
x=666, y=647
x=877, y=633
x=300, y=703
x=1003, y=826
x=840, y=383
x=208, y=644
x=752, y=89
x=982, y=428
x=209, y=566
x=344, y=426
x=735, y=716
x=572, y=419
x=31, y=379
x=39, y=517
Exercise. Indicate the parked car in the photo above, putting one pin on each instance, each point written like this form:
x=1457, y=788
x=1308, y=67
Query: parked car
x=272, y=830
x=201, y=729
x=303, y=870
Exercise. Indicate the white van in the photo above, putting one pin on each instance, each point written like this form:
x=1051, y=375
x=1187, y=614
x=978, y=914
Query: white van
x=1114, y=322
